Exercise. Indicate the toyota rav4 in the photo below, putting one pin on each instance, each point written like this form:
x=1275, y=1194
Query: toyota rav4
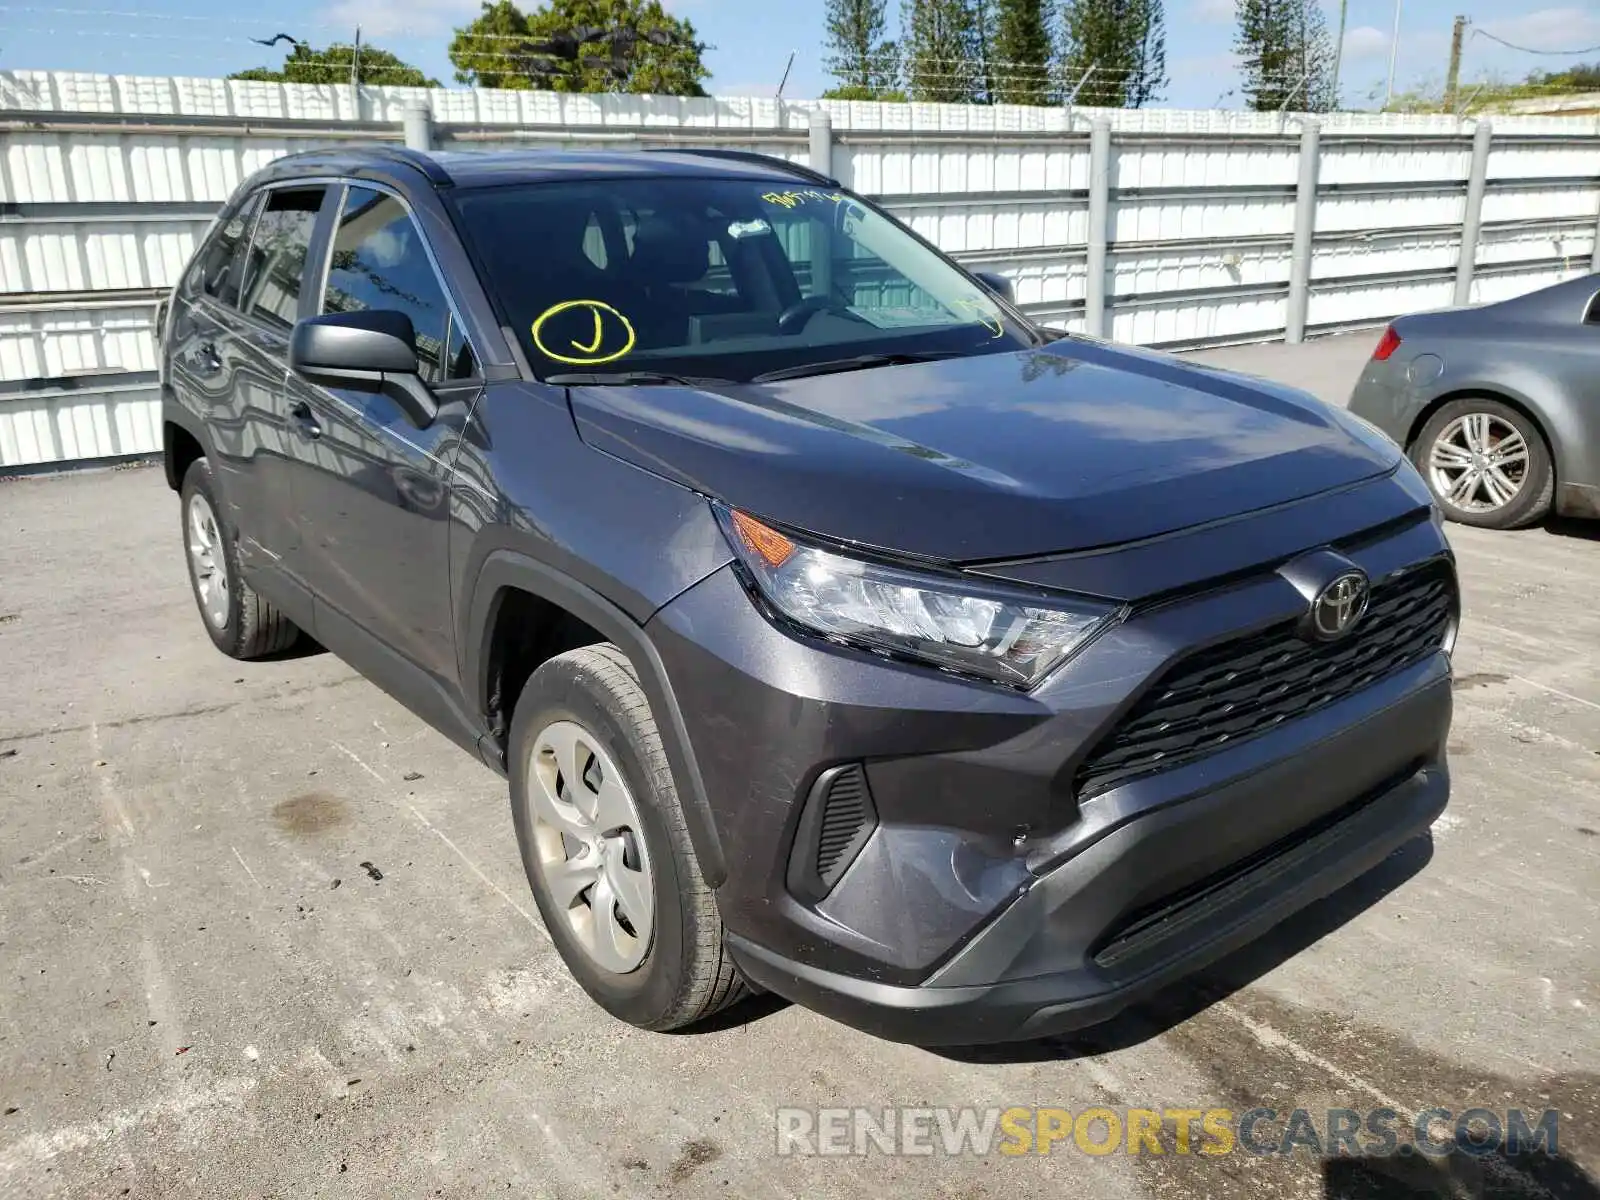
x=841, y=632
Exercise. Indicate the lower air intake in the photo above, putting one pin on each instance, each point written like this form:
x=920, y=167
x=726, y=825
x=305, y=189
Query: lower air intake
x=838, y=819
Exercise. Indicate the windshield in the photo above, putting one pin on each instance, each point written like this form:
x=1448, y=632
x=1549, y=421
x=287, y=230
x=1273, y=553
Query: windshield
x=717, y=278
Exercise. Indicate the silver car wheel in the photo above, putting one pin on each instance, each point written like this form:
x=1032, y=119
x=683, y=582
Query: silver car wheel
x=207, y=561
x=1478, y=463
x=590, y=846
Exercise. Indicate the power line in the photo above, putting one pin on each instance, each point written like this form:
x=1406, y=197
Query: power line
x=132, y=14
x=1479, y=31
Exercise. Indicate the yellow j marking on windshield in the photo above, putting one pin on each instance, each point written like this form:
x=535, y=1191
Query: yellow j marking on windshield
x=611, y=329
x=594, y=343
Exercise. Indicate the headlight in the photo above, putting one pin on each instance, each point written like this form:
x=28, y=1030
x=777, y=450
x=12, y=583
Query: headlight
x=999, y=634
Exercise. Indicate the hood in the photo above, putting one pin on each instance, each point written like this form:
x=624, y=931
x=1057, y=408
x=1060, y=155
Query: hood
x=1076, y=445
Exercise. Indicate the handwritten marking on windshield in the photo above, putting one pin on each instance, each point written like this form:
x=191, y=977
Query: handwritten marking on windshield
x=792, y=199
x=984, y=313
x=594, y=343
x=588, y=355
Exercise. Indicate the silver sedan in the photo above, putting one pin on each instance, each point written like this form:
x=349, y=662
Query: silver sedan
x=1498, y=406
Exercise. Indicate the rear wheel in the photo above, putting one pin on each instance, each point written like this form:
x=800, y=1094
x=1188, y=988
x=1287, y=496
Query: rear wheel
x=1486, y=463
x=241, y=623
x=605, y=847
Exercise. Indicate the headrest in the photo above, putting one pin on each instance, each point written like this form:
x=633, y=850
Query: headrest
x=666, y=250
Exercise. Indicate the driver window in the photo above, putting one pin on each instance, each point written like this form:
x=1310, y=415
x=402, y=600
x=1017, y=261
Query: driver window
x=378, y=261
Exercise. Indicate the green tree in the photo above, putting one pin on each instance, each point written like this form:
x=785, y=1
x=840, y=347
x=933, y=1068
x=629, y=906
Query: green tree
x=305, y=65
x=1021, y=48
x=581, y=46
x=941, y=51
x=865, y=63
x=1124, y=41
x=1286, y=55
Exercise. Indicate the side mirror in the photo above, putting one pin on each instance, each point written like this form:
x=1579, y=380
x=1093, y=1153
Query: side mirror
x=998, y=284
x=369, y=351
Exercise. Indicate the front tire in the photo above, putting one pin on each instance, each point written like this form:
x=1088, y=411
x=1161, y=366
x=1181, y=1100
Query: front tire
x=605, y=847
x=241, y=623
x=1486, y=464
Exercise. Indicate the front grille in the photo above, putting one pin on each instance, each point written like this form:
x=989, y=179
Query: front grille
x=1247, y=686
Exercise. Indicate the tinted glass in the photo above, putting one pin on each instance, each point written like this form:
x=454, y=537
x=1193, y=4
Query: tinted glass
x=712, y=277
x=379, y=262
x=218, y=269
x=277, y=260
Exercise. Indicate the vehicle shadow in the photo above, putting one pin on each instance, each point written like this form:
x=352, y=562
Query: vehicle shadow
x=1496, y=1175
x=1172, y=1007
x=1573, y=527
x=303, y=646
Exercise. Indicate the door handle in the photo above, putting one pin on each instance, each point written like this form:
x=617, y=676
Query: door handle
x=205, y=359
x=301, y=412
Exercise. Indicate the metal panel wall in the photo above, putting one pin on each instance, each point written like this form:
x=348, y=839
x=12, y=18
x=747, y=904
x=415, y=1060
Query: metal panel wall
x=108, y=182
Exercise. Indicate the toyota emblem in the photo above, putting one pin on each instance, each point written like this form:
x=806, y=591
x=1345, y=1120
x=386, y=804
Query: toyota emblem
x=1339, y=606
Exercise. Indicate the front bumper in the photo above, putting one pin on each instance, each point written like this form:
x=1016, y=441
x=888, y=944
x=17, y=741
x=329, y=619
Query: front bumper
x=990, y=900
x=1051, y=961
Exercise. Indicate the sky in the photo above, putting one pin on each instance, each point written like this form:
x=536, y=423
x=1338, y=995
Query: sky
x=751, y=41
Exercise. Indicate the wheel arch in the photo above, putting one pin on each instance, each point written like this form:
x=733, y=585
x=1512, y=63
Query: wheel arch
x=183, y=440
x=503, y=575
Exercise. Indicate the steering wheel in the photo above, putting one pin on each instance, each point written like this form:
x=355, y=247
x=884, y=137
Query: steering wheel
x=798, y=315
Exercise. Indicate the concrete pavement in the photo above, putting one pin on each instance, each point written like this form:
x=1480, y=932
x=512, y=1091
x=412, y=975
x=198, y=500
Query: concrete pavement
x=206, y=991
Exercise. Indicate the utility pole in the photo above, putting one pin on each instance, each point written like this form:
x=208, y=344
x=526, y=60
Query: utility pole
x=355, y=77
x=1452, y=77
x=1338, y=49
x=1394, y=50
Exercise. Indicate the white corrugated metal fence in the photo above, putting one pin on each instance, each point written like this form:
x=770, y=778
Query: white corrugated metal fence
x=106, y=183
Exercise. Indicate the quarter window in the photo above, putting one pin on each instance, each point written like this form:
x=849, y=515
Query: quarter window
x=220, y=268
x=379, y=262
x=277, y=259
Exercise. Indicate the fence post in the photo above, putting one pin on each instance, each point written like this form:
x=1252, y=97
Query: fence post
x=1305, y=229
x=419, y=127
x=1594, y=256
x=1473, y=216
x=1094, y=296
x=822, y=142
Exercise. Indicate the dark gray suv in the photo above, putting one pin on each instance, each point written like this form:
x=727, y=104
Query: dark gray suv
x=841, y=632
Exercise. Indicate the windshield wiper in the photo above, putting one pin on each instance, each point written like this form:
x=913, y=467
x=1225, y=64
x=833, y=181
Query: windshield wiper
x=861, y=362
x=629, y=379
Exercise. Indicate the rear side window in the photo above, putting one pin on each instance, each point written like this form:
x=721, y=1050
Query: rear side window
x=1591, y=313
x=277, y=259
x=218, y=269
x=379, y=262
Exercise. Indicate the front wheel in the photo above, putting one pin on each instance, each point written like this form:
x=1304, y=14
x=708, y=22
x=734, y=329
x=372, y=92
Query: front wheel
x=1486, y=463
x=605, y=847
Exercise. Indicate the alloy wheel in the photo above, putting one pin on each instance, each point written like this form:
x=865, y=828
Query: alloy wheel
x=1478, y=463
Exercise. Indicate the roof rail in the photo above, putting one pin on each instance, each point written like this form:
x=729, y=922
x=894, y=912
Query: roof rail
x=426, y=163
x=750, y=156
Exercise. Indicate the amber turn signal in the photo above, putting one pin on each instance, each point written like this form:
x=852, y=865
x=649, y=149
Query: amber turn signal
x=768, y=544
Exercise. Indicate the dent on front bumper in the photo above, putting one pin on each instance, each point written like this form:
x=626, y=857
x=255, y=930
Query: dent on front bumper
x=990, y=901
x=1070, y=951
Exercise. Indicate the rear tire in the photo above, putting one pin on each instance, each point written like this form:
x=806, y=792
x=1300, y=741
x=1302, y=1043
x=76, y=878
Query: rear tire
x=1486, y=463
x=594, y=847
x=241, y=623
